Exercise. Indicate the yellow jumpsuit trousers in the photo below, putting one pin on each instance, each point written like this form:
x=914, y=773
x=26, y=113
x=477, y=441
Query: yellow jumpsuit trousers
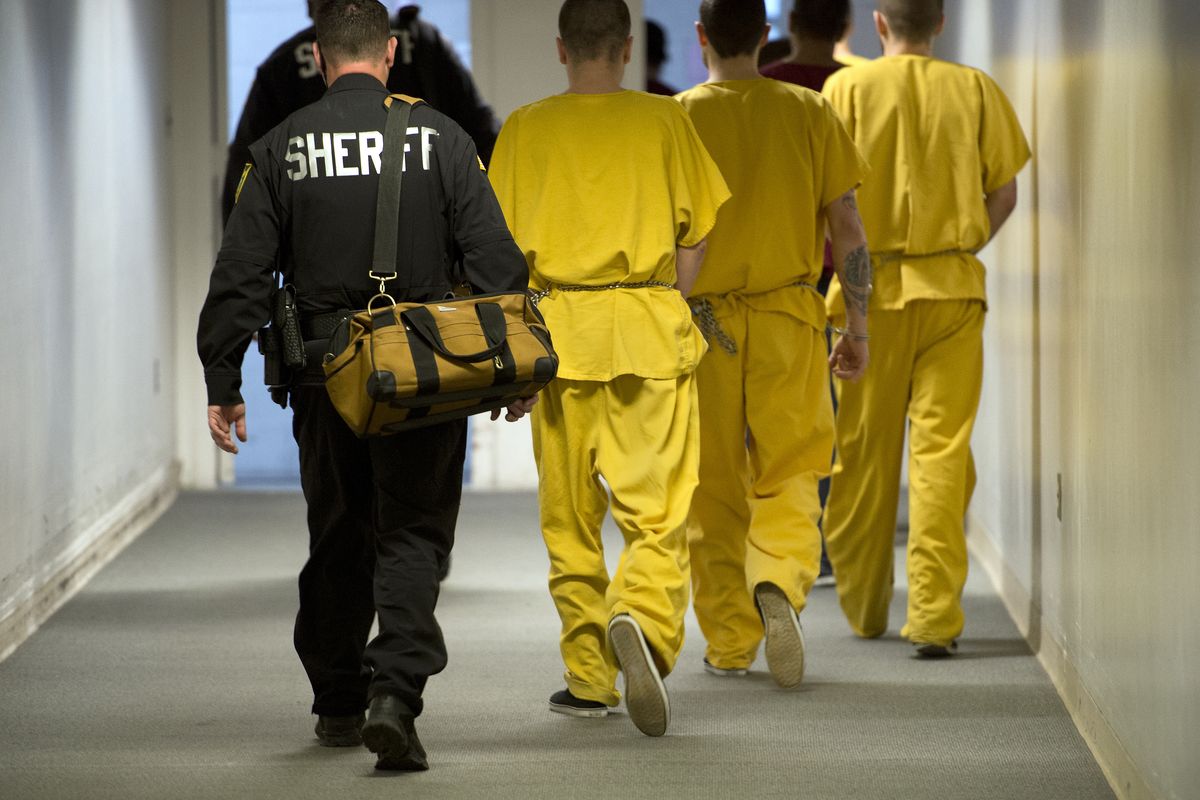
x=766, y=440
x=641, y=436
x=926, y=366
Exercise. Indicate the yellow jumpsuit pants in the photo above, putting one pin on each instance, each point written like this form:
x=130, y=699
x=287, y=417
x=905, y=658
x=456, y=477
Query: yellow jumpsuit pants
x=754, y=515
x=641, y=436
x=926, y=365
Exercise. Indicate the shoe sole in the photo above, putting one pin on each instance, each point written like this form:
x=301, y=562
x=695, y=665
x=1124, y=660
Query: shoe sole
x=390, y=743
x=325, y=740
x=582, y=713
x=645, y=695
x=402, y=764
x=785, y=639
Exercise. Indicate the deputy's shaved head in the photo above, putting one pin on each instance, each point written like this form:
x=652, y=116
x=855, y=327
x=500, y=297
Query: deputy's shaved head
x=352, y=30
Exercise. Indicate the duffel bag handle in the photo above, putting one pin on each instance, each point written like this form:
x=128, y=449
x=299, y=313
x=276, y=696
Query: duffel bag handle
x=491, y=318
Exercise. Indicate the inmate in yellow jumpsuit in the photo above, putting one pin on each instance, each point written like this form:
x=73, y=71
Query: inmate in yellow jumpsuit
x=786, y=156
x=938, y=137
x=599, y=190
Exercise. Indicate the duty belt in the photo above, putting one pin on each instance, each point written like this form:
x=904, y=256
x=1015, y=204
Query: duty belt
x=707, y=322
x=321, y=326
x=538, y=296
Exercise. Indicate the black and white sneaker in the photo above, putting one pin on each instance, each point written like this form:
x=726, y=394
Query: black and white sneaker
x=785, y=639
x=563, y=702
x=645, y=695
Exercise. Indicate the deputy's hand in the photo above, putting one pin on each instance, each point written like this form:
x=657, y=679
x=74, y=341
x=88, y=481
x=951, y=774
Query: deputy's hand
x=517, y=410
x=219, y=420
x=849, y=358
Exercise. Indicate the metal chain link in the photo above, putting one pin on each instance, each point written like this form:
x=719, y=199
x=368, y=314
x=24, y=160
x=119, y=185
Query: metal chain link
x=707, y=322
x=537, y=297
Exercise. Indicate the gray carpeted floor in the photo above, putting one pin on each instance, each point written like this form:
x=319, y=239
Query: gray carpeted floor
x=172, y=676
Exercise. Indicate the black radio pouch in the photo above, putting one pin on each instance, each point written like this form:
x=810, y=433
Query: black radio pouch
x=286, y=320
x=281, y=344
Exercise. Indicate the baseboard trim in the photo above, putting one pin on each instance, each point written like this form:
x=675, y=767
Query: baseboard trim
x=1123, y=774
x=101, y=542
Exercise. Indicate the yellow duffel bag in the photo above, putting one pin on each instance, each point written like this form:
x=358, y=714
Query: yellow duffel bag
x=397, y=366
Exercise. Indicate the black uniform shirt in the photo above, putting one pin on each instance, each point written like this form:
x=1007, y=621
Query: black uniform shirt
x=426, y=66
x=308, y=205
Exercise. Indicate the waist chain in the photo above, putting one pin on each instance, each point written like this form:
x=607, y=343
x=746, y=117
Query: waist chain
x=888, y=258
x=538, y=296
x=706, y=319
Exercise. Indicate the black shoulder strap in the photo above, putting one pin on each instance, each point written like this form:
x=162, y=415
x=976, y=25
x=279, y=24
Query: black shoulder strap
x=387, y=202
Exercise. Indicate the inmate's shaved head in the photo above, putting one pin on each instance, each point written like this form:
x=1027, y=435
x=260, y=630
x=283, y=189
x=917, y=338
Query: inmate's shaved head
x=912, y=20
x=352, y=30
x=823, y=20
x=733, y=27
x=594, y=29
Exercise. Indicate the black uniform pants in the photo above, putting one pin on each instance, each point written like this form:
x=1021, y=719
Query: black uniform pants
x=381, y=516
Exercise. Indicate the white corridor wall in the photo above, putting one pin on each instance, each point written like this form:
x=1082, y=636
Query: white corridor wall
x=1088, y=441
x=87, y=259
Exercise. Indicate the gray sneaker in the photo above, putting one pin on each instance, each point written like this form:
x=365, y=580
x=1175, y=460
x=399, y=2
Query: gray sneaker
x=723, y=672
x=785, y=639
x=931, y=650
x=645, y=696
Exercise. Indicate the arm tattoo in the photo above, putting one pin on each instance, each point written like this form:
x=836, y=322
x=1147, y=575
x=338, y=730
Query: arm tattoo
x=849, y=202
x=857, y=279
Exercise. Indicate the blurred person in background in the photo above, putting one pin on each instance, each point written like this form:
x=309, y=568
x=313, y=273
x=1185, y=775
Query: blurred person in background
x=426, y=66
x=656, y=56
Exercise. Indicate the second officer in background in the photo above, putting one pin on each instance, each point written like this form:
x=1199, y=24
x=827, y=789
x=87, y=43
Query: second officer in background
x=425, y=66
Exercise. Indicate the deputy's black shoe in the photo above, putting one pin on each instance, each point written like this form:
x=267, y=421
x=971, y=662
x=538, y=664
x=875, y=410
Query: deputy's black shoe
x=563, y=702
x=339, y=731
x=389, y=733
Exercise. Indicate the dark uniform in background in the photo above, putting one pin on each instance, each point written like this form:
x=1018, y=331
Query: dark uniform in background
x=381, y=512
x=426, y=67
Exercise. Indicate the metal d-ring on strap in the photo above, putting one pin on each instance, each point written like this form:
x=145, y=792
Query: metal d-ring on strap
x=538, y=296
x=706, y=319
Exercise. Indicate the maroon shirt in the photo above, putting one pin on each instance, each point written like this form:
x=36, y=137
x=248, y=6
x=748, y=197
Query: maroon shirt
x=813, y=77
x=655, y=86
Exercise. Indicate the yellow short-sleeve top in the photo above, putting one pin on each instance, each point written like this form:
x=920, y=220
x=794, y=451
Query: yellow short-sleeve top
x=852, y=59
x=938, y=137
x=786, y=156
x=600, y=189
